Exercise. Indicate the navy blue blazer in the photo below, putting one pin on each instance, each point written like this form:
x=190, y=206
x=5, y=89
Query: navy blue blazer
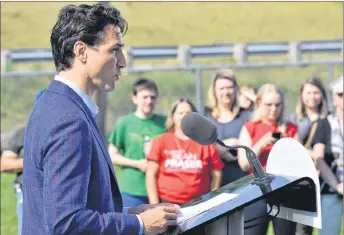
x=69, y=184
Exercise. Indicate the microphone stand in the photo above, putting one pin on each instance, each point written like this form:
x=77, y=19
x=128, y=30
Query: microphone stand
x=262, y=179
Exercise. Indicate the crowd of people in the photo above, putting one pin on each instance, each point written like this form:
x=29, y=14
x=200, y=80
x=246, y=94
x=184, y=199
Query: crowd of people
x=65, y=179
x=160, y=164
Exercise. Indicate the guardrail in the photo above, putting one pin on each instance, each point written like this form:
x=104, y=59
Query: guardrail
x=186, y=53
x=197, y=70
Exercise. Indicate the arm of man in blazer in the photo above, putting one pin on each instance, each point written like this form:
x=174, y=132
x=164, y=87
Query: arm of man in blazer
x=67, y=169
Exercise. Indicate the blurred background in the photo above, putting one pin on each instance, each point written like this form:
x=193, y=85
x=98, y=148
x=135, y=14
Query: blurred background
x=179, y=45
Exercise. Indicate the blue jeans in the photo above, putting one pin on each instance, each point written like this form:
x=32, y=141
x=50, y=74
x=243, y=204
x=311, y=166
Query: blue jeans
x=19, y=210
x=331, y=214
x=132, y=201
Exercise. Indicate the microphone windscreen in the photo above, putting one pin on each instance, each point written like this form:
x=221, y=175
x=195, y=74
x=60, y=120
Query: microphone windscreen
x=199, y=128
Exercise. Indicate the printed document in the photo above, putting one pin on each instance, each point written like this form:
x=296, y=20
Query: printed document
x=191, y=211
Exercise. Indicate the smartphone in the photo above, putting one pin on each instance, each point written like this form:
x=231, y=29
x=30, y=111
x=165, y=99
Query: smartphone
x=276, y=135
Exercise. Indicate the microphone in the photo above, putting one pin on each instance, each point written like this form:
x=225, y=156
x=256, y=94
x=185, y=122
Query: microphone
x=204, y=132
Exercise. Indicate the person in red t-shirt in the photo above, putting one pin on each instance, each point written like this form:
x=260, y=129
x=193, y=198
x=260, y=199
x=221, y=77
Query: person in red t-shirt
x=179, y=169
x=267, y=123
x=260, y=133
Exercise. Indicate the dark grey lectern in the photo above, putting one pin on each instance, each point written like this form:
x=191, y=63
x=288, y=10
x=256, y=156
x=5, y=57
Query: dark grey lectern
x=295, y=195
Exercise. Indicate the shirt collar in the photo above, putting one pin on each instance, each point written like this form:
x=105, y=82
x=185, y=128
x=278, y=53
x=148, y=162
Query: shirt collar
x=86, y=98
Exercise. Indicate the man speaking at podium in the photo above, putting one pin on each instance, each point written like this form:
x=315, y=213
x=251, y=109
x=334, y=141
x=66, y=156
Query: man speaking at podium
x=69, y=184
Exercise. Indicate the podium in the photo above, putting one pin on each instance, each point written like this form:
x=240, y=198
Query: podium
x=295, y=196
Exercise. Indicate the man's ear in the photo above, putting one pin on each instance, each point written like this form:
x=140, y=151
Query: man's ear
x=134, y=98
x=80, y=51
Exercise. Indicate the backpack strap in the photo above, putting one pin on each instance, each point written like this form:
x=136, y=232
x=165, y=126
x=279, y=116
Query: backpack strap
x=311, y=134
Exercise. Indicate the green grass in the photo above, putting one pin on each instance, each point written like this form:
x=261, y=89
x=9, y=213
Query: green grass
x=8, y=206
x=28, y=25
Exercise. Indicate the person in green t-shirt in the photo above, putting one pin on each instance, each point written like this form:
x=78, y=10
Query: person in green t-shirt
x=131, y=139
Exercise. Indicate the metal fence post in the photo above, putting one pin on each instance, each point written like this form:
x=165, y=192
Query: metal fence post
x=294, y=52
x=198, y=74
x=183, y=54
x=239, y=53
x=6, y=62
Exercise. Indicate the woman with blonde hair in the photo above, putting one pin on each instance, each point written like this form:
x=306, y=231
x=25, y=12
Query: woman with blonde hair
x=179, y=169
x=224, y=111
x=260, y=133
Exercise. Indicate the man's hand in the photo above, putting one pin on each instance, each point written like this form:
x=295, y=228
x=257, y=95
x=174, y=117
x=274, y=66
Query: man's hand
x=142, y=165
x=229, y=157
x=10, y=162
x=159, y=218
x=225, y=154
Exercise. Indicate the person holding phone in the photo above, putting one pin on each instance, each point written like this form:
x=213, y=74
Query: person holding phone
x=265, y=128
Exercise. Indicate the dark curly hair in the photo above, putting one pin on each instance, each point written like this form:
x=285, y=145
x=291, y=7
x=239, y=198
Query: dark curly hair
x=81, y=23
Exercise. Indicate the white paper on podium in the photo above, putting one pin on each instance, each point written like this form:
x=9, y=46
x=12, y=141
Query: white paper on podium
x=191, y=211
x=289, y=158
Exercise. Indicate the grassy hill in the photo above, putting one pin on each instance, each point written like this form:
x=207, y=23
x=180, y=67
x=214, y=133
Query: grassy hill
x=28, y=25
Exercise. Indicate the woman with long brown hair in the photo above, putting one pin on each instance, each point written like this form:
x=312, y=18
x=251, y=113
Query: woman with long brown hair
x=328, y=158
x=312, y=106
x=224, y=111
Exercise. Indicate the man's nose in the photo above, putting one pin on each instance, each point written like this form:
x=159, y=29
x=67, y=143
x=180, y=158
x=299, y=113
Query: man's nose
x=121, y=61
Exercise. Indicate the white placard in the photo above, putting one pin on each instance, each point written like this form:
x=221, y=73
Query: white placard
x=289, y=158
